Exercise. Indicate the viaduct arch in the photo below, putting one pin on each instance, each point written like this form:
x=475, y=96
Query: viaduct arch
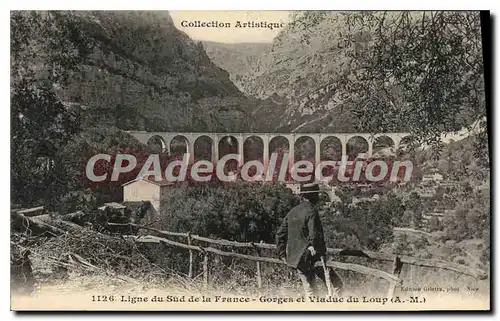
x=215, y=138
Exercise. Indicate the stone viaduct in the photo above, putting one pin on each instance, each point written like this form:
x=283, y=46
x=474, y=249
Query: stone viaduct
x=266, y=138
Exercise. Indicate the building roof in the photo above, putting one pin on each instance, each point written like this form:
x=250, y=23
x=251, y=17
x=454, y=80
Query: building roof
x=150, y=179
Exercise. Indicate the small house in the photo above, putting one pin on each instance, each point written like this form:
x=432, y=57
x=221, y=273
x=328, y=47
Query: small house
x=146, y=189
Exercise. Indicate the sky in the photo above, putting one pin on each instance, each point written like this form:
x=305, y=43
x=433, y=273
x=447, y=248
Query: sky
x=232, y=34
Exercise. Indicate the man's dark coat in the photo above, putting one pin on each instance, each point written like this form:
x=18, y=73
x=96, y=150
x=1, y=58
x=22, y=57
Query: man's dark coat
x=300, y=229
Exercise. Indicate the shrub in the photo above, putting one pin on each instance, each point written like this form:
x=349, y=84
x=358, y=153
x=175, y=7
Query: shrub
x=238, y=211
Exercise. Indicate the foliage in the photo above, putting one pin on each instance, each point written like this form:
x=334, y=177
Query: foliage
x=365, y=224
x=421, y=69
x=471, y=217
x=412, y=216
x=92, y=141
x=41, y=123
x=459, y=161
x=236, y=211
x=83, y=201
x=402, y=245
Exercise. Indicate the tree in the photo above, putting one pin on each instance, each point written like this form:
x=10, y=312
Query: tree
x=402, y=245
x=238, y=211
x=45, y=48
x=40, y=127
x=367, y=224
x=422, y=69
x=75, y=154
x=471, y=217
x=416, y=205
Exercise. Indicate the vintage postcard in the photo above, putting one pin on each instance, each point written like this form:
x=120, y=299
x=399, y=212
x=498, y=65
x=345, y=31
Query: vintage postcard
x=249, y=160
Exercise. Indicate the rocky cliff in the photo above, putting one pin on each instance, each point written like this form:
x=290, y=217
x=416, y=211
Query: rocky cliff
x=239, y=59
x=140, y=72
x=298, y=72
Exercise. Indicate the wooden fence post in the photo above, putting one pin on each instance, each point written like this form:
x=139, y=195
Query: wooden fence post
x=259, y=275
x=205, y=269
x=190, y=271
x=397, y=265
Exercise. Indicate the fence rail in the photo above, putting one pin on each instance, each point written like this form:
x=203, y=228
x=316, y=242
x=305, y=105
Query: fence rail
x=380, y=256
x=393, y=278
x=333, y=264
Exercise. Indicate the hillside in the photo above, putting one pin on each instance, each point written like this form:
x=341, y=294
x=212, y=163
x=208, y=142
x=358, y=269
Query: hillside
x=239, y=59
x=298, y=71
x=138, y=71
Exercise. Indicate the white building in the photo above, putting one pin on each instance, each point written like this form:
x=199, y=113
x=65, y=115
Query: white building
x=147, y=190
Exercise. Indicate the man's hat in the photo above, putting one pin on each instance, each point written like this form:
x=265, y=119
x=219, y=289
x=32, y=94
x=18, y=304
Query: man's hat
x=309, y=188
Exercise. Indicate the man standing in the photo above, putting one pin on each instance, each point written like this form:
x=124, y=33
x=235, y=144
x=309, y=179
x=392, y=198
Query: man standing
x=300, y=241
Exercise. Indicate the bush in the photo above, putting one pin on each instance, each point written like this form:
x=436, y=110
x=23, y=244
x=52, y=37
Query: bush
x=367, y=224
x=238, y=211
x=470, y=219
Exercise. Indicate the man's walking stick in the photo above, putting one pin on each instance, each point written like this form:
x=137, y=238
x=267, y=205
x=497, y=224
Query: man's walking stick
x=327, y=276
